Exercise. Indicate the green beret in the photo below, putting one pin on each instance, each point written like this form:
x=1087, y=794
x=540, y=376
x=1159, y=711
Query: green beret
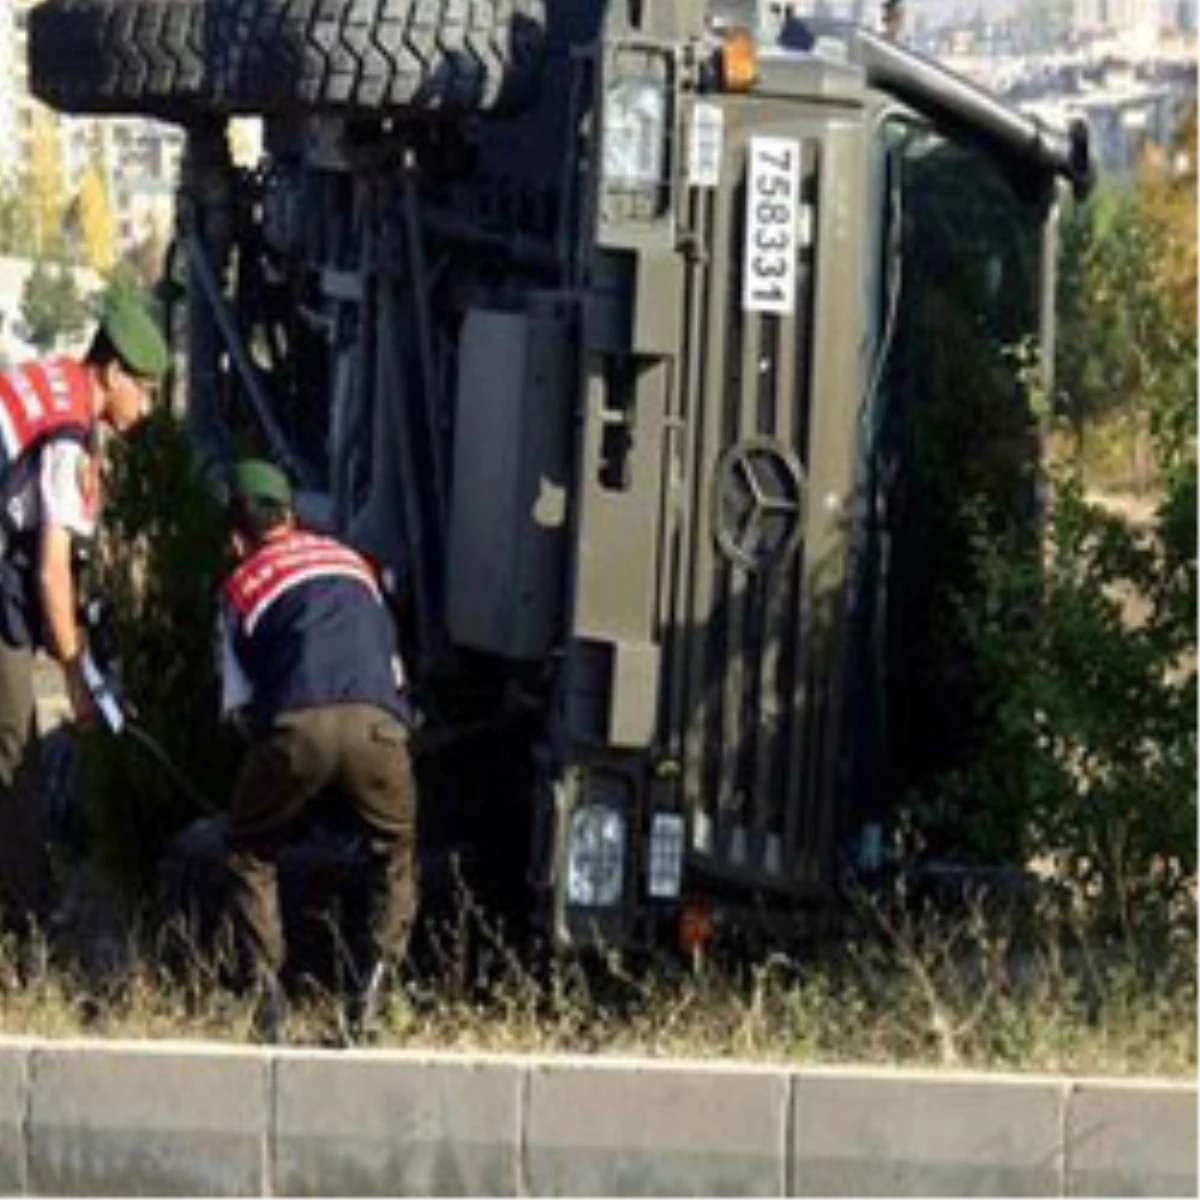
x=259, y=481
x=134, y=335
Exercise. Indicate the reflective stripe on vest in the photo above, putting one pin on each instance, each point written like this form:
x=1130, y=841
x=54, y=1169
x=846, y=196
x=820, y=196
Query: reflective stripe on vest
x=37, y=398
x=286, y=563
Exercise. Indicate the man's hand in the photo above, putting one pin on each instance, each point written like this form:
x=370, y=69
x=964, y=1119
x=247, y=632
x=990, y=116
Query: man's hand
x=83, y=707
x=239, y=718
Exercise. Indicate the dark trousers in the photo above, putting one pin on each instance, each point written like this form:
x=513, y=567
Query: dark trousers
x=362, y=752
x=24, y=861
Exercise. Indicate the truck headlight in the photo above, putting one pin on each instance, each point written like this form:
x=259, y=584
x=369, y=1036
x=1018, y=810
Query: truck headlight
x=596, y=858
x=635, y=126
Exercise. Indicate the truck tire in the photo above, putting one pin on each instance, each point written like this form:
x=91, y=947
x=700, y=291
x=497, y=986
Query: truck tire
x=122, y=56
x=182, y=58
x=379, y=56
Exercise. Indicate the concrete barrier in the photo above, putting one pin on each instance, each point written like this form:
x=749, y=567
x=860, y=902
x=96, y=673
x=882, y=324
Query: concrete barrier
x=137, y=1118
x=142, y=1120
x=636, y=1128
x=1130, y=1138
x=912, y=1134
x=361, y=1124
x=14, y=1090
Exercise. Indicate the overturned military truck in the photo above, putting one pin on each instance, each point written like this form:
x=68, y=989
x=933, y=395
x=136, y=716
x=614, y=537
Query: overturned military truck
x=615, y=330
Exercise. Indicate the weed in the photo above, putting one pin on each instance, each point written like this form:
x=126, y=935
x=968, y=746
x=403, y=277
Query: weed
x=984, y=987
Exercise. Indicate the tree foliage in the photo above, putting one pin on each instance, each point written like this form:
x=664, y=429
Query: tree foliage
x=45, y=185
x=1128, y=331
x=97, y=224
x=51, y=306
x=1089, y=764
x=17, y=219
x=162, y=554
x=1168, y=182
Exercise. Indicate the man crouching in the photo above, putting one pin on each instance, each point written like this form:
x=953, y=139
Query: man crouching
x=309, y=666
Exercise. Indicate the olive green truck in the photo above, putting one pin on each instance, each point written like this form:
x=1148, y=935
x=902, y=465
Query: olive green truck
x=614, y=331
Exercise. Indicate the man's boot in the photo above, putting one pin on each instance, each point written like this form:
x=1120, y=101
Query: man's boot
x=362, y=1015
x=270, y=1011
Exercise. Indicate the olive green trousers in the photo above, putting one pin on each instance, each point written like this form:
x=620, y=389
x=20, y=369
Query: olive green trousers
x=361, y=753
x=24, y=861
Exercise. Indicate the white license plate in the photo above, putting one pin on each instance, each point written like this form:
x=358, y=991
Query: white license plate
x=707, y=145
x=772, y=207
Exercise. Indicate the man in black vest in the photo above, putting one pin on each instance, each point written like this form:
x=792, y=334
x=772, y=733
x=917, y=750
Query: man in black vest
x=51, y=413
x=310, y=668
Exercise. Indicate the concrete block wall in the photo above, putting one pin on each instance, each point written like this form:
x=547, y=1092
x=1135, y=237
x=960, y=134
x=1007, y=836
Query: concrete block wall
x=140, y=1118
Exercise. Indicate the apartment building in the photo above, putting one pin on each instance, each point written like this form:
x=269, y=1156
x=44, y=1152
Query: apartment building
x=139, y=158
x=13, y=76
x=1142, y=19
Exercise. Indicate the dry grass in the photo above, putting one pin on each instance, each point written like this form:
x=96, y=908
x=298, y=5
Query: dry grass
x=902, y=989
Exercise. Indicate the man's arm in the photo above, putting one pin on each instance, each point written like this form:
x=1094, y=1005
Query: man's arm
x=236, y=689
x=56, y=590
x=67, y=495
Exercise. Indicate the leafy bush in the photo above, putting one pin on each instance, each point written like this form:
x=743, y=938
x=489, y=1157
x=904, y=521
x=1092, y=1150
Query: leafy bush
x=1089, y=759
x=1090, y=763
x=1127, y=335
x=51, y=306
x=160, y=562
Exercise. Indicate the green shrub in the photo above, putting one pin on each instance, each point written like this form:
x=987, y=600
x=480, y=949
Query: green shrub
x=1090, y=759
x=1085, y=657
x=160, y=561
x=1127, y=348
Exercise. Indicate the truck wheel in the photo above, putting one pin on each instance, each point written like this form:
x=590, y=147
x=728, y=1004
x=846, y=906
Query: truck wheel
x=122, y=56
x=379, y=56
x=180, y=58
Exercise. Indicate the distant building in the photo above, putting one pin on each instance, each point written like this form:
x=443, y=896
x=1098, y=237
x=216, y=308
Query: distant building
x=1121, y=123
x=139, y=157
x=9, y=145
x=1140, y=21
x=140, y=160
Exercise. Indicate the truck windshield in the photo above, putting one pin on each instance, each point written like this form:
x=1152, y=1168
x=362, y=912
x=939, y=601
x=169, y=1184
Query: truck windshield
x=970, y=249
x=953, y=445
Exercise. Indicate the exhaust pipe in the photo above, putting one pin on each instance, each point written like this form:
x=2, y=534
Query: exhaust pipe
x=945, y=96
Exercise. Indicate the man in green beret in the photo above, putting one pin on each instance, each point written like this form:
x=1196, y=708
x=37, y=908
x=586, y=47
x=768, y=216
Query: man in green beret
x=311, y=671
x=53, y=415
